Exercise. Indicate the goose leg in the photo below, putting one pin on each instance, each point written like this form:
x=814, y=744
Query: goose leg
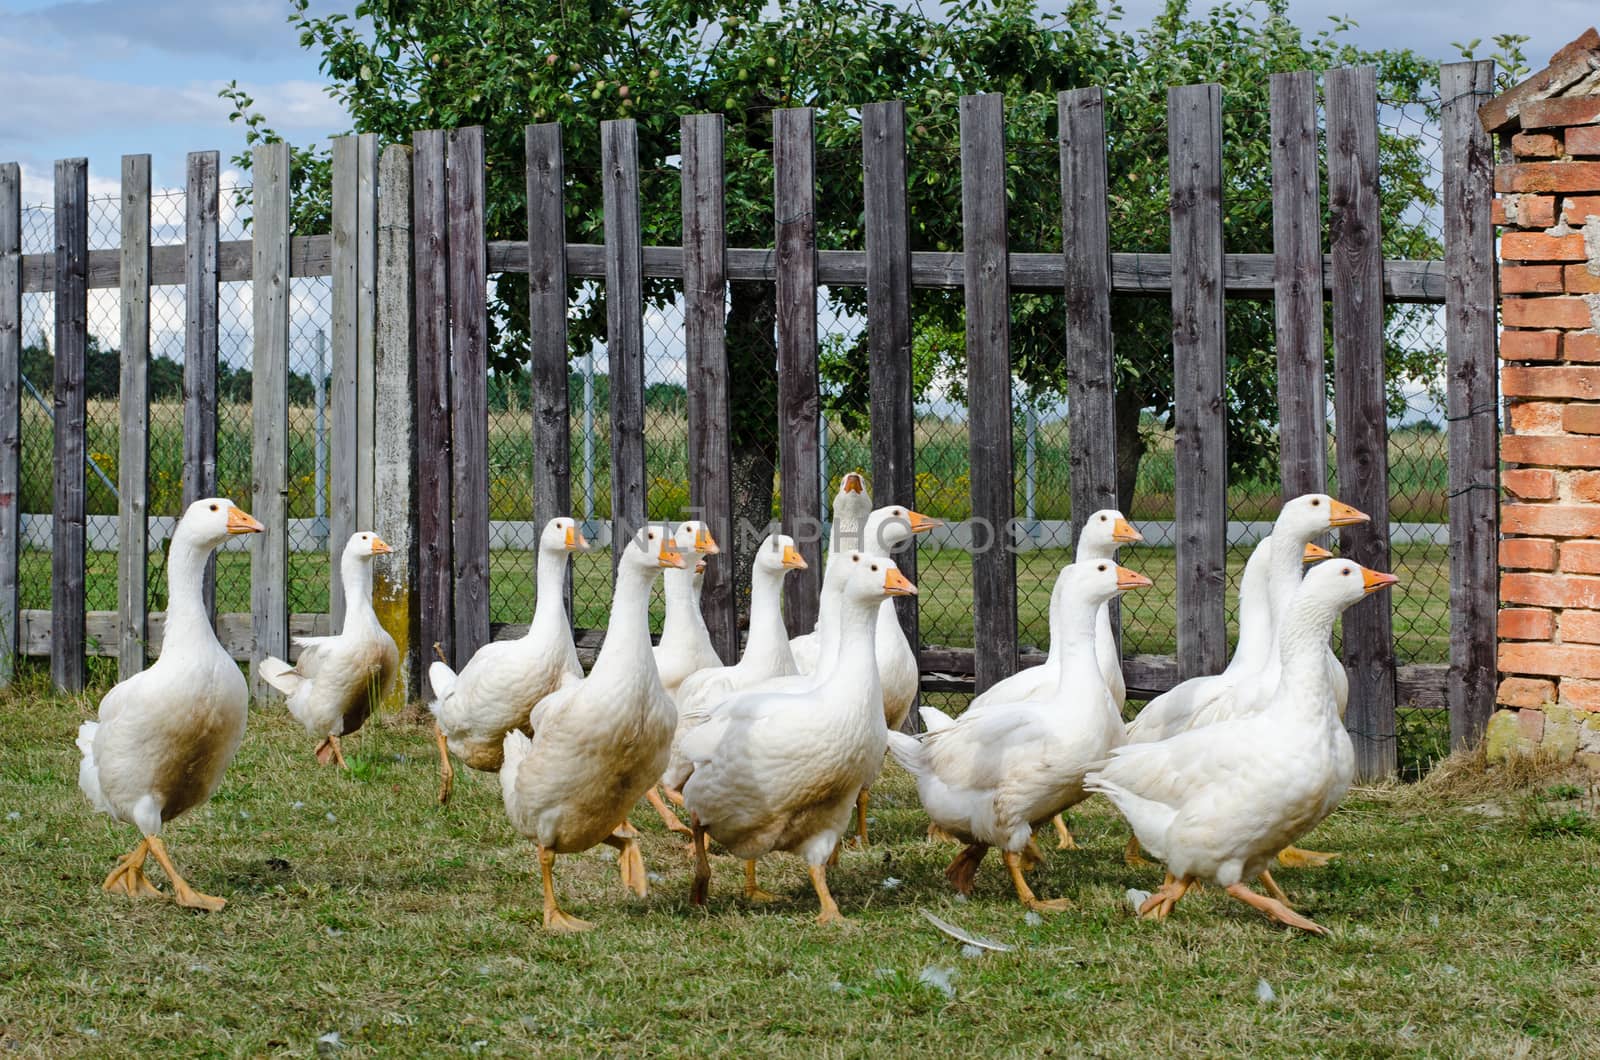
x=630, y=861
x=447, y=772
x=184, y=894
x=1132, y=857
x=700, y=890
x=668, y=818
x=830, y=909
x=673, y=796
x=330, y=751
x=964, y=869
x=752, y=891
x=1296, y=858
x=554, y=919
x=1032, y=856
x=940, y=835
x=1158, y=905
x=860, y=841
x=1013, y=862
x=128, y=876
x=1273, y=889
x=1276, y=909
x=1064, y=840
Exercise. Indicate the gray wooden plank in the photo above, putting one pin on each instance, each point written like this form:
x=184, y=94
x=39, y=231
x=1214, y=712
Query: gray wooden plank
x=366, y=324
x=1297, y=306
x=794, y=165
x=547, y=321
x=1194, y=130
x=888, y=250
x=624, y=274
x=201, y=235
x=343, y=332
x=269, y=399
x=430, y=242
x=68, y=534
x=1471, y=397
x=10, y=410
x=133, y=447
x=705, y=294
x=988, y=304
x=1360, y=419
x=469, y=391
x=394, y=586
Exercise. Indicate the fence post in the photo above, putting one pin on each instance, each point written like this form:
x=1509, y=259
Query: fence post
x=67, y=610
x=1194, y=123
x=133, y=461
x=200, y=237
x=269, y=394
x=469, y=390
x=430, y=249
x=394, y=436
x=10, y=409
x=794, y=166
x=344, y=327
x=988, y=303
x=1360, y=414
x=619, y=160
x=705, y=299
x=366, y=328
x=1297, y=285
x=888, y=245
x=1471, y=398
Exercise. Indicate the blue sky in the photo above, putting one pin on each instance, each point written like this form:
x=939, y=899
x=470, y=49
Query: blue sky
x=107, y=77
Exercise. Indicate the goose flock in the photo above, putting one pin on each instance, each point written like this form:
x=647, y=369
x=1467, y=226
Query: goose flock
x=1217, y=778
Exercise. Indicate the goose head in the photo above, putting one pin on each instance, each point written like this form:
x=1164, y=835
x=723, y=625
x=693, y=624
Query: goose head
x=364, y=545
x=874, y=578
x=694, y=536
x=652, y=550
x=890, y=526
x=1094, y=581
x=1341, y=582
x=1314, y=552
x=562, y=534
x=851, y=504
x=209, y=522
x=1311, y=514
x=778, y=555
x=1105, y=531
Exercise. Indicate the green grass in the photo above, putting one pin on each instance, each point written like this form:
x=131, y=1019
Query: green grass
x=1461, y=928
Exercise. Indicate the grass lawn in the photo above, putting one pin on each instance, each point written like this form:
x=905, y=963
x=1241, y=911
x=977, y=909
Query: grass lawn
x=1462, y=920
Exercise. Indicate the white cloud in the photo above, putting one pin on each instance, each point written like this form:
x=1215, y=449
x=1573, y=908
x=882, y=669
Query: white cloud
x=241, y=29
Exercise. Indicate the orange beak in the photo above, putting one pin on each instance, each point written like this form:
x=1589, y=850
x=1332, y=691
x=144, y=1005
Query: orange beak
x=576, y=542
x=1376, y=581
x=1124, y=533
x=700, y=567
x=670, y=556
x=241, y=522
x=380, y=547
x=1127, y=579
x=921, y=523
x=792, y=559
x=1314, y=553
x=895, y=584
x=1341, y=514
x=705, y=544
x=854, y=483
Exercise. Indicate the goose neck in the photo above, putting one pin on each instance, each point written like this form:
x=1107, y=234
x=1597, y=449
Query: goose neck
x=856, y=656
x=187, y=618
x=356, y=575
x=628, y=630
x=1302, y=657
x=550, y=588
x=768, y=638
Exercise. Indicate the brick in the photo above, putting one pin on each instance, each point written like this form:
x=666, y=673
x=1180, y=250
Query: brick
x=1536, y=211
x=1581, y=419
x=1525, y=692
x=1528, y=553
x=1530, y=484
x=1548, y=176
x=1537, y=417
x=1577, y=209
x=1550, y=311
x=1550, y=590
x=1550, y=451
x=1530, y=345
x=1536, y=145
x=1584, y=141
x=1582, y=348
x=1554, y=660
x=1497, y=211
x=1580, y=627
x=1580, y=557
x=1550, y=520
x=1527, y=623
x=1578, y=279
x=1540, y=246
x=1530, y=725
x=1579, y=694
x=1559, y=113
x=1533, y=279
x=1550, y=381
x=1583, y=486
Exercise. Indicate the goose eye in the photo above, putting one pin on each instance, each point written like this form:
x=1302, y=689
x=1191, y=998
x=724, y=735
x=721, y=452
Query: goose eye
x=1102, y=566
x=1345, y=573
x=213, y=507
x=1102, y=518
x=874, y=566
x=1315, y=501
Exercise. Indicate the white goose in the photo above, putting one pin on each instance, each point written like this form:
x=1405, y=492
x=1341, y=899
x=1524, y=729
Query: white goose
x=165, y=736
x=500, y=684
x=337, y=681
x=779, y=771
x=852, y=506
x=991, y=777
x=1218, y=803
x=598, y=744
x=685, y=642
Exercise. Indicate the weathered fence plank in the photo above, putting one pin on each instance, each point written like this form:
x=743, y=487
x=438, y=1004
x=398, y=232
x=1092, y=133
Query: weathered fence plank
x=619, y=160
x=547, y=325
x=1471, y=397
x=469, y=391
x=888, y=248
x=431, y=240
x=269, y=397
x=705, y=294
x=794, y=165
x=366, y=325
x=342, y=383
x=988, y=304
x=10, y=410
x=394, y=437
x=1297, y=305
x=68, y=541
x=1360, y=421
x=1194, y=123
x=133, y=446
x=200, y=242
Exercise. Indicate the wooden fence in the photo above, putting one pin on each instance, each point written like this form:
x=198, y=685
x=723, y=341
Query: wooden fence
x=409, y=263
